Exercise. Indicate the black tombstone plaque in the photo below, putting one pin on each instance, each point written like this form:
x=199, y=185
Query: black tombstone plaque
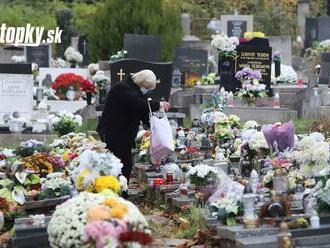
x=325, y=68
x=163, y=71
x=236, y=28
x=317, y=29
x=257, y=58
x=38, y=54
x=192, y=60
x=140, y=46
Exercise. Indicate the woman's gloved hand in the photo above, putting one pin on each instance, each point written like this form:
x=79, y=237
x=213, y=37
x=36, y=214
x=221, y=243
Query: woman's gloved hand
x=165, y=106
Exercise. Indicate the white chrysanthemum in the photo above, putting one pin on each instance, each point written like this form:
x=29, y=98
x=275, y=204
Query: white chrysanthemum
x=257, y=141
x=251, y=124
x=318, y=137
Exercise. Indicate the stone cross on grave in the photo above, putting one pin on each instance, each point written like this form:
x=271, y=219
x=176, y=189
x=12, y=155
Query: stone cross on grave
x=121, y=74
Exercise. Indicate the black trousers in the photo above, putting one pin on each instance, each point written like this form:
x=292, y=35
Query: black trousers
x=124, y=153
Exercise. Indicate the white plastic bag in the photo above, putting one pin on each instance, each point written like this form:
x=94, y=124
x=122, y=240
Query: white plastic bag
x=161, y=137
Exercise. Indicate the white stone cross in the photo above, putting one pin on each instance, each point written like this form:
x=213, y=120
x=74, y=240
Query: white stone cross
x=121, y=74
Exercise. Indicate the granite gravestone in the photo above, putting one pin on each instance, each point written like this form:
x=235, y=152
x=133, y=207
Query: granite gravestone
x=16, y=89
x=6, y=53
x=40, y=55
x=140, y=46
x=317, y=29
x=282, y=44
x=192, y=60
x=325, y=68
x=256, y=54
x=236, y=25
x=122, y=68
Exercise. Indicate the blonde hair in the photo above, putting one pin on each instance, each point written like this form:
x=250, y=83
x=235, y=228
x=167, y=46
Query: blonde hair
x=145, y=78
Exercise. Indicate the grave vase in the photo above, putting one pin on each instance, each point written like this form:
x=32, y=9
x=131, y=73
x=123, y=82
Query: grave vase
x=225, y=64
x=89, y=98
x=102, y=95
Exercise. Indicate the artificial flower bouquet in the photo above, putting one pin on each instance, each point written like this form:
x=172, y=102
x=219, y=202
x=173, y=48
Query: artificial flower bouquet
x=312, y=153
x=251, y=87
x=65, y=122
x=233, y=121
x=143, y=144
x=100, y=79
x=70, y=80
x=226, y=209
x=202, y=175
x=117, y=56
x=88, y=87
x=94, y=172
x=225, y=45
x=17, y=180
x=223, y=133
x=211, y=115
x=29, y=147
x=252, y=35
x=54, y=185
x=73, y=56
x=209, y=79
x=97, y=220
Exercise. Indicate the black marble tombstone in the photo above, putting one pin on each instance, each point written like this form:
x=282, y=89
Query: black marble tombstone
x=256, y=54
x=317, y=29
x=191, y=60
x=325, y=68
x=38, y=54
x=140, y=46
x=163, y=71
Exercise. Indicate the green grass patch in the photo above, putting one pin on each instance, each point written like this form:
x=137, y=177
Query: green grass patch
x=88, y=125
x=302, y=126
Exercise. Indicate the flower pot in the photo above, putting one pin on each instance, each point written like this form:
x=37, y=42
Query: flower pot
x=89, y=98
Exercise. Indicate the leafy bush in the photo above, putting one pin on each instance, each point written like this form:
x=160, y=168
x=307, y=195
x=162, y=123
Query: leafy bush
x=115, y=18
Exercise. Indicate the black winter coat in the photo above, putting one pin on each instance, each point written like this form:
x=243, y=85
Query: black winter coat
x=125, y=107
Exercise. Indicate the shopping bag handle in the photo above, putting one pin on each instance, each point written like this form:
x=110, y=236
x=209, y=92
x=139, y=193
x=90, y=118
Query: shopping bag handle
x=150, y=111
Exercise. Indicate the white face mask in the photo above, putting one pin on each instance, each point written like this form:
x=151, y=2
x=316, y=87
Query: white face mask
x=144, y=90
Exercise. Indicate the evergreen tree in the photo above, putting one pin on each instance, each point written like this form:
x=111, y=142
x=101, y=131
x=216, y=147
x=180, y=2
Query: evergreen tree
x=116, y=17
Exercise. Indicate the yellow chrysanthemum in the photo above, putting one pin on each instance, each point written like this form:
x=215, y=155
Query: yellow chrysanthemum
x=118, y=213
x=107, y=182
x=65, y=157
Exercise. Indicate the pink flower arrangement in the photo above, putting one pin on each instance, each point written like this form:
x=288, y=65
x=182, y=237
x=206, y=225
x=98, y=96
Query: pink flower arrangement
x=100, y=231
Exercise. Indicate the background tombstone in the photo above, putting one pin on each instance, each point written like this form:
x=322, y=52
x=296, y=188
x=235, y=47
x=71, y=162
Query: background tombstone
x=192, y=60
x=257, y=57
x=236, y=25
x=325, y=68
x=282, y=44
x=16, y=89
x=40, y=55
x=140, y=46
x=122, y=68
x=83, y=48
x=6, y=52
x=317, y=29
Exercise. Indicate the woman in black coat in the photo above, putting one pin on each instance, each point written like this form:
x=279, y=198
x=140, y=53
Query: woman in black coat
x=125, y=107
